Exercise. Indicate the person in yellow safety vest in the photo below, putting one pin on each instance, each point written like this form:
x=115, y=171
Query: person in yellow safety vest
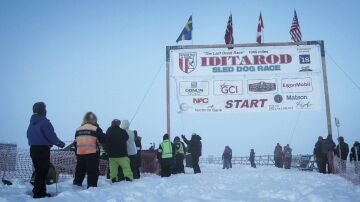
x=180, y=150
x=165, y=156
x=87, y=137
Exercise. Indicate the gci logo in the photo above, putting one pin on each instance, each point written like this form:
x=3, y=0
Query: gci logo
x=229, y=89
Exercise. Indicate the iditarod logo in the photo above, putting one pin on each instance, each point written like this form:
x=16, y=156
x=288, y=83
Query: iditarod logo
x=187, y=62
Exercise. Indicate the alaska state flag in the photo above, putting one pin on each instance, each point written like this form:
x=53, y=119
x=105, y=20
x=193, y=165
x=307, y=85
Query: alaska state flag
x=186, y=32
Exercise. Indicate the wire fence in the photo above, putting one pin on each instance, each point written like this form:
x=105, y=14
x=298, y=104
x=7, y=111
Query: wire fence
x=343, y=168
x=17, y=163
x=297, y=161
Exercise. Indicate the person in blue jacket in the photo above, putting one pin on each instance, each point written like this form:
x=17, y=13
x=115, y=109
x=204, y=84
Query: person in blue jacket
x=41, y=136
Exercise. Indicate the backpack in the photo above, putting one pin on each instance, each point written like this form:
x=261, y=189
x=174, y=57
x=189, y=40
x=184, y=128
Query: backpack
x=51, y=178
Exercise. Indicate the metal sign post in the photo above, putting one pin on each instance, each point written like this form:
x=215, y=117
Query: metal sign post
x=337, y=123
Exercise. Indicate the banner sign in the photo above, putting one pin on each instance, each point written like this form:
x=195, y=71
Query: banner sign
x=246, y=60
x=248, y=79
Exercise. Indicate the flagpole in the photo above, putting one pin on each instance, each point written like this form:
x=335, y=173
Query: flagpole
x=192, y=31
x=263, y=35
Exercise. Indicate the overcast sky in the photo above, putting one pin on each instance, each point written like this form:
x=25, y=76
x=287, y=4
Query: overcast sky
x=101, y=56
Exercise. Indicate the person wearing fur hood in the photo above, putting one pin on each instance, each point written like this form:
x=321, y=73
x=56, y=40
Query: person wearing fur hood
x=131, y=146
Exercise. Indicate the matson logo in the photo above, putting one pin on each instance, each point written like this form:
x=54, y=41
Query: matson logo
x=200, y=100
x=297, y=85
x=296, y=97
x=254, y=103
x=246, y=60
x=228, y=87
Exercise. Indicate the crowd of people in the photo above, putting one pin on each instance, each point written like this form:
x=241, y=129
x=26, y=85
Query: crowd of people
x=283, y=156
x=119, y=145
x=171, y=154
x=326, y=149
x=122, y=148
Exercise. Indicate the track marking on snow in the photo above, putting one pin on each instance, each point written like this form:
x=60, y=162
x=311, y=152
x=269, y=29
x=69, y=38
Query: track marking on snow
x=241, y=183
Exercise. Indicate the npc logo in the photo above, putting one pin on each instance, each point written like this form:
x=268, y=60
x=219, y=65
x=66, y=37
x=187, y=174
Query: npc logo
x=187, y=62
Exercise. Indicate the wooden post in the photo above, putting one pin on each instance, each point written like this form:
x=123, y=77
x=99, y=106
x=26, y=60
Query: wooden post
x=326, y=91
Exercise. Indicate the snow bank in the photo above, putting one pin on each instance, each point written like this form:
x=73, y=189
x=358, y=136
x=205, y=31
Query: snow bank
x=241, y=183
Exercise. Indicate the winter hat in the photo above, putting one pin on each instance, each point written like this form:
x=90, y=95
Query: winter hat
x=116, y=122
x=166, y=136
x=39, y=108
x=90, y=118
x=176, y=139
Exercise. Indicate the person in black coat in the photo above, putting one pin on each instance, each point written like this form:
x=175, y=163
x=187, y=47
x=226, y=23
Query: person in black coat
x=116, y=148
x=342, y=151
x=194, y=147
x=320, y=161
x=353, y=152
x=252, y=158
x=327, y=150
x=138, y=148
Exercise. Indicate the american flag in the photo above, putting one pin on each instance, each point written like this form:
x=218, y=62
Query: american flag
x=295, y=31
x=260, y=29
x=229, y=39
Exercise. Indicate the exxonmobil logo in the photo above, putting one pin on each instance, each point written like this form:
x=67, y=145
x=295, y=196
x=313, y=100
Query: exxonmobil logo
x=245, y=60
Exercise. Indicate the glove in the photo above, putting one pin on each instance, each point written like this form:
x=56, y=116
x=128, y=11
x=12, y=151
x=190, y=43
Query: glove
x=60, y=144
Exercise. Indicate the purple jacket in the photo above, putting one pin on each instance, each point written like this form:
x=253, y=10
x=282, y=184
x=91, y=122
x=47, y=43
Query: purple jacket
x=227, y=152
x=41, y=132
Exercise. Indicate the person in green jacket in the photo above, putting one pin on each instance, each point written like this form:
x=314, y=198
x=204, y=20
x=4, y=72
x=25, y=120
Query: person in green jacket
x=165, y=156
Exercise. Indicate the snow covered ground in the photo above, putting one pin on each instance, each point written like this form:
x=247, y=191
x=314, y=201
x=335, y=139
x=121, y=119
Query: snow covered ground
x=241, y=183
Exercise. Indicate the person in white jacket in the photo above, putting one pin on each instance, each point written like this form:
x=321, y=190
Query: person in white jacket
x=131, y=146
